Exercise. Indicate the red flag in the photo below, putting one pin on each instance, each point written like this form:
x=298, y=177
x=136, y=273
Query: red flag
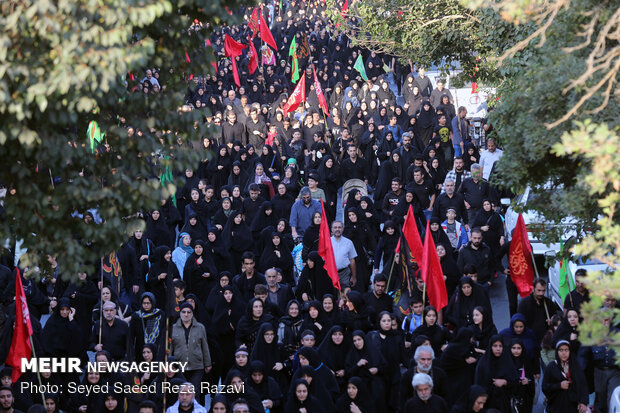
x=253, y=56
x=432, y=274
x=253, y=22
x=20, y=346
x=520, y=259
x=298, y=96
x=410, y=231
x=265, y=33
x=319, y=93
x=233, y=49
x=326, y=251
x=187, y=59
x=345, y=8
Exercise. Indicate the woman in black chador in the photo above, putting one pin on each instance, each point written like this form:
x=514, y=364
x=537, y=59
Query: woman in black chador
x=497, y=374
x=147, y=326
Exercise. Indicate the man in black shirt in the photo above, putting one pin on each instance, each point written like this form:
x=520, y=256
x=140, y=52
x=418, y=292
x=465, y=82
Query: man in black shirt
x=424, y=193
x=480, y=255
x=252, y=204
x=249, y=278
x=377, y=298
x=113, y=333
x=394, y=197
x=233, y=130
x=474, y=190
x=450, y=199
x=256, y=129
x=354, y=167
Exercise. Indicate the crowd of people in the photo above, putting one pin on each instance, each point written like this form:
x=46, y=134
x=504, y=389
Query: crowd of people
x=227, y=276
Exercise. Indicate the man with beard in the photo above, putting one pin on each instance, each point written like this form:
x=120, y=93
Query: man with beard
x=113, y=333
x=456, y=175
x=233, y=130
x=538, y=309
x=481, y=256
x=6, y=400
x=187, y=401
x=422, y=363
x=302, y=212
x=277, y=294
x=450, y=199
x=425, y=400
x=474, y=190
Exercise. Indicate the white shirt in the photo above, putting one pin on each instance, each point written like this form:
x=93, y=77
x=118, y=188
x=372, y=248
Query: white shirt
x=487, y=159
x=344, y=252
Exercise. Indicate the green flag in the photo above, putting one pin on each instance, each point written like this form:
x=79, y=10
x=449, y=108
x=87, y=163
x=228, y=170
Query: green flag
x=359, y=66
x=166, y=177
x=292, y=51
x=567, y=281
x=94, y=134
x=292, y=48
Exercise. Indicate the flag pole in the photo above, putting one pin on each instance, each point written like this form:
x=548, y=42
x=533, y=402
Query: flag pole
x=34, y=355
x=391, y=269
x=101, y=303
x=166, y=359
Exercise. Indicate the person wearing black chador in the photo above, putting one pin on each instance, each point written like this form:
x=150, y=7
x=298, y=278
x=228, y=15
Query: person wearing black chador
x=458, y=361
x=356, y=394
x=333, y=351
x=237, y=237
x=147, y=326
x=61, y=335
x=83, y=296
x=271, y=354
x=156, y=229
x=226, y=315
x=526, y=388
x=265, y=386
x=393, y=351
x=564, y=383
x=366, y=362
x=314, y=282
x=250, y=322
x=357, y=315
x=160, y=276
x=200, y=272
x=465, y=299
x=497, y=374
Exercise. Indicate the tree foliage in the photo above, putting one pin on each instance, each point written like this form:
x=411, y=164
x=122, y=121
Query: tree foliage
x=65, y=63
x=557, y=121
x=442, y=33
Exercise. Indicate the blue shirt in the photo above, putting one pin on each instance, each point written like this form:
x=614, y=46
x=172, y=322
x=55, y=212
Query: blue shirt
x=301, y=215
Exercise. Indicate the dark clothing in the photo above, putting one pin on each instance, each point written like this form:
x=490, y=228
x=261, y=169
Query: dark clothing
x=383, y=303
x=559, y=400
x=246, y=285
x=113, y=338
x=482, y=258
x=443, y=202
x=354, y=170
x=536, y=315
x=473, y=192
x=435, y=404
x=422, y=192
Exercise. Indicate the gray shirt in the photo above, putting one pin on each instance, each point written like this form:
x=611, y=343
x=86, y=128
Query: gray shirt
x=344, y=252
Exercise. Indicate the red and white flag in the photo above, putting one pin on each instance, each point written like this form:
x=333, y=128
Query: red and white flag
x=20, y=345
x=319, y=93
x=298, y=96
